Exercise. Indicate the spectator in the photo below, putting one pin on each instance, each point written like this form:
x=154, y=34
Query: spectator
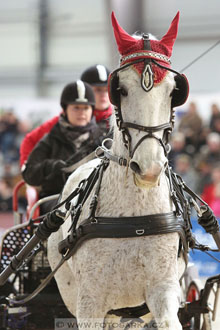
x=8, y=134
x=211, y=152
x=211, y=192
x=215, y=114
x=191, y=125
x=185, y=169
x=216, y=125
x=204, y=170
x=178, y=147
x=202, y=138
x=6, y=189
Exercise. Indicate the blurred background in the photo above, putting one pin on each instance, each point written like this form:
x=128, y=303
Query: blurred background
x=46, y=44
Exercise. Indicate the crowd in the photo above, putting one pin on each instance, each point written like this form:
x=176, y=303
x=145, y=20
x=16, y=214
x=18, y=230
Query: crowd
x=194, y=155
x=12, y=132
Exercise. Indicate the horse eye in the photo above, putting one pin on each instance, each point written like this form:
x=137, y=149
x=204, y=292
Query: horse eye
x=171, y=94
x=173, y=91
x=123, y=91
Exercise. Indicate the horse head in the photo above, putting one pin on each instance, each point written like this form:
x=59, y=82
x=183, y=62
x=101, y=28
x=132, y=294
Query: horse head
x=144, y=91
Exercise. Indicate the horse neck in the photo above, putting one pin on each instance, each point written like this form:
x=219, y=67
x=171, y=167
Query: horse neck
x=118, y=189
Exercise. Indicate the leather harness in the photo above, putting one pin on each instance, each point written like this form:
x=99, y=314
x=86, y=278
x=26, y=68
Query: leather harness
x=120, y=227
x=109, y=227
x=150, y=130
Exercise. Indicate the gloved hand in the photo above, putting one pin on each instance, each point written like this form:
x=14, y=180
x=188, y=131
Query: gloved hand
x=208, y=220
x=58, y=165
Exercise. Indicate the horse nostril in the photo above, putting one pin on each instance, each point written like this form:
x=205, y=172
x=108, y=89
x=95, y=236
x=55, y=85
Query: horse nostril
x=135, y=167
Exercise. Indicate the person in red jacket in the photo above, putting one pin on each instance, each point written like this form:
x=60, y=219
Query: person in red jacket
x=97, y=77
x=211, y=192
x=33, y=137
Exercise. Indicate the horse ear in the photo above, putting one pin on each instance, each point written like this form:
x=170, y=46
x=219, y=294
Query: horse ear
x=170, y=37
x=123, y=39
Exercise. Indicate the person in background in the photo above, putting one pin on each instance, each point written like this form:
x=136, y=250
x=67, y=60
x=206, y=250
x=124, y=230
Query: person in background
x=185, y=169
x=178, y=147
x=204, y=170
x=211, y=151
x=211, y=192
x=216, y=125
x=191, y=125
x=215, y=115
x=9, y=130
x=73, y=137
x=97, y=77
x=202, y=139
x=6, y=188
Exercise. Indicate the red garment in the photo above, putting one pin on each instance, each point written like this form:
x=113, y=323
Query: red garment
x=33, y=137
x=209, y=194
x=102, y=114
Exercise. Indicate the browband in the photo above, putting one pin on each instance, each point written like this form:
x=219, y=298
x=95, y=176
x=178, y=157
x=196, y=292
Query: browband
x=144, y=54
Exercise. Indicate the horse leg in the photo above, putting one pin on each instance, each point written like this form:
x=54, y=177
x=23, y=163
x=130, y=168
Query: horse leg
x=90, y=312
x=163, y=301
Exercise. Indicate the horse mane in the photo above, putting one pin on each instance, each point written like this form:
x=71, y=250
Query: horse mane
x=138, y=35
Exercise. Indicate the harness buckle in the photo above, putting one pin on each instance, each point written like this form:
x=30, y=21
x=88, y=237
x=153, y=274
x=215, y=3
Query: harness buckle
x=122, y=161
x=94, y=220
x=140, y=231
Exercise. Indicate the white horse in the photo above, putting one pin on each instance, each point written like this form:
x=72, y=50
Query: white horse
x=113, y=273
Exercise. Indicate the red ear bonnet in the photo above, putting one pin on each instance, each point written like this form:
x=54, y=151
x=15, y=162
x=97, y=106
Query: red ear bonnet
x=127, y=44
x=124, y=41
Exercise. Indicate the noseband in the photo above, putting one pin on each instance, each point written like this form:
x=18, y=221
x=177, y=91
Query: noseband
x=148, y=57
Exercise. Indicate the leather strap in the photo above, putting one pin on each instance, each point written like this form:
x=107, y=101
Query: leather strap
x=121, y=227
x=149, y=129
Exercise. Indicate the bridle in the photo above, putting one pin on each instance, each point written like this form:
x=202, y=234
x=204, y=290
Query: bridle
x=149, y=57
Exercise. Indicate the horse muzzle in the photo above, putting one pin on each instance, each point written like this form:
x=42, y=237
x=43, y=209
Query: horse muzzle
x=146, y=181
x=151, y=177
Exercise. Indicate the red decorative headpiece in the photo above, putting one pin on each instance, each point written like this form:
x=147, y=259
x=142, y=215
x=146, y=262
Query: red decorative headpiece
x=131, y=48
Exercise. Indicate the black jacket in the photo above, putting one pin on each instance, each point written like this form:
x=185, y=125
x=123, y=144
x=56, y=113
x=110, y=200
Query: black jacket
x=55, y=145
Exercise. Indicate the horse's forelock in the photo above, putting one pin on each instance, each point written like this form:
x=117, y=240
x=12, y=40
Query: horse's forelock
x=138, y=35
x=157, y=47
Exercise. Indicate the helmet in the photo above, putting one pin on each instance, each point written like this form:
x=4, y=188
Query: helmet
x=96, y=75
x=78, y=92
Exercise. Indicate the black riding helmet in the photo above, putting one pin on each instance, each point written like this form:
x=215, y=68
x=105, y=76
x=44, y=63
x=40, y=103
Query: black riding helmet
x=78, y=92
x=96, y=75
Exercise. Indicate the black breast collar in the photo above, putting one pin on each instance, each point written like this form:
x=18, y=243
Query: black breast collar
x=119, y=227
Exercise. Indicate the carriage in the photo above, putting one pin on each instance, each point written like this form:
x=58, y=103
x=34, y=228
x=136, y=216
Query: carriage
x=195, y=312
x=126, y=203
x=29, y=276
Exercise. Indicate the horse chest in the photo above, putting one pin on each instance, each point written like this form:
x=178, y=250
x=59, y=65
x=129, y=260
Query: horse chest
x=119, y=196
x=123, y=269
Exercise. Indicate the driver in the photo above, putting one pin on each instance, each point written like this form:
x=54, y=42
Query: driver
x=74, y=136
x=97, y=77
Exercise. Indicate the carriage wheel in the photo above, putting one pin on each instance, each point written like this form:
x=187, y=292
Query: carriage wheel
x=199, y=321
